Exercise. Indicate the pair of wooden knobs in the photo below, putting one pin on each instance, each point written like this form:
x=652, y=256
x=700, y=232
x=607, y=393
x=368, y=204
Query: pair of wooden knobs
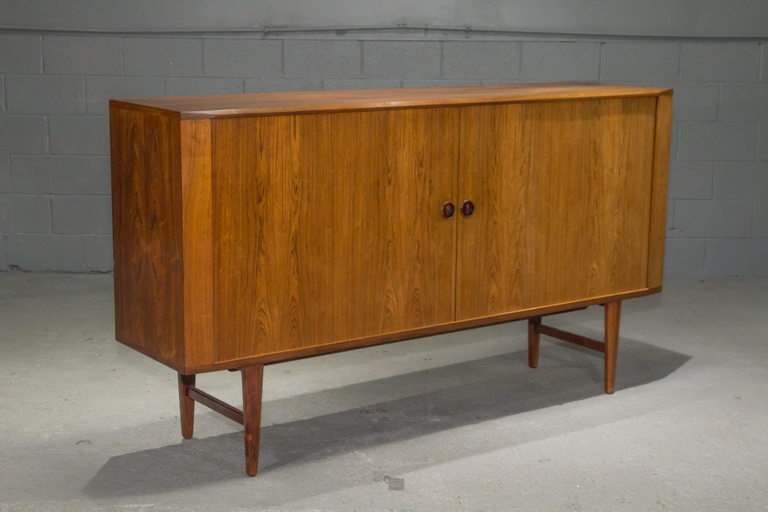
x=467, y=209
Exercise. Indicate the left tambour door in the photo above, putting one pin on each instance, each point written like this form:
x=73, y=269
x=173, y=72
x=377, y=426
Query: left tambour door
x=327, y=227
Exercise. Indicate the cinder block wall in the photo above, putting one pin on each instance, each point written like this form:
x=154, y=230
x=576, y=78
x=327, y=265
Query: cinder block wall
x=54, y=165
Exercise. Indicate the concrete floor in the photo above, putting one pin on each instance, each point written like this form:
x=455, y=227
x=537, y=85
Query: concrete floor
x=453, y=422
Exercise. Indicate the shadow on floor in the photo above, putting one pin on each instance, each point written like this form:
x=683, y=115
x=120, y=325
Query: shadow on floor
x=467, y=393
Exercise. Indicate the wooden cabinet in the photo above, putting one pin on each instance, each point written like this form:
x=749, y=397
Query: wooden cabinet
x=254, y=229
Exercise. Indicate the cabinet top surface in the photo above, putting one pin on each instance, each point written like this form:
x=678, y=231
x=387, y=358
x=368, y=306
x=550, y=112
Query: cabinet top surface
x=236, y=105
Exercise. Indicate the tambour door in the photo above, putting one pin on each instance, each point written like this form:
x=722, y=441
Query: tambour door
x=327, y=227
x=562, y=194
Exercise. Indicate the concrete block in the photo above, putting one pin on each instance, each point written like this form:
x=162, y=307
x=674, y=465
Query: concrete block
x=63, y=253
x=161, y=56
x=741, y=180
x=670, y=220
x=553, y=61
x=6, y=212
x=83, y=55
x=764, y=63
x=639, y=61
x=322, y=59
x=737, y=257
x=401, y=60
x=684, y=258
x=717, y=141
x=22, y=135
x=744, y=102
x=100, y=89
x=695, y=101
x=88, y=215
x=100, y=175
x=5, y=175
x=45, y=94
x=760, y=220
x=724, y=61
x=674, y=143
x=25, y=213
x=48, y=174
x=3, y=254
x=201, y=86
x=247, y=58
x=21, y=53
x=98, y=253
x=475, y=60
x=708, y=219
x=691, y=219
x=78, y=135
x=343, y=85
x=286, y=85
x=731, y=219
x=689, y=179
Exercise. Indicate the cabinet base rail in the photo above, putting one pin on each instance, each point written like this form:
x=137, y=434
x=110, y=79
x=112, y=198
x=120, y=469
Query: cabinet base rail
x=253, y=379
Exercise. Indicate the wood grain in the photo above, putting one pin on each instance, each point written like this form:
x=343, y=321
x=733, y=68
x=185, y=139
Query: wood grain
x=253, y=383
x=659, y=192
x=420, y=332
x=612, y=320
x=146, y=206
x=241, y=105
x=328, y=227
x=562, y=204
x=186, y=405
x=534, y=341
x=197, y=226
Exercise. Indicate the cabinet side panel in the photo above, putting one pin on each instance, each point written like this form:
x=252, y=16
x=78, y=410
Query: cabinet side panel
x=147, y=233
x=198, y=252
x=660, y=184
x=327, y=227
x=562, y=191
x=620, y=200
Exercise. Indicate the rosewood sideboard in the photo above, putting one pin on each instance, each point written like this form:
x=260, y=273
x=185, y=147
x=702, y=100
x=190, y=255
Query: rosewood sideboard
x=253, y=229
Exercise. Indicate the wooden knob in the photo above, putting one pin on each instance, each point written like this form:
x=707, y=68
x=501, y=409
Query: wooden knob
x=448, y=210
x=467, y=208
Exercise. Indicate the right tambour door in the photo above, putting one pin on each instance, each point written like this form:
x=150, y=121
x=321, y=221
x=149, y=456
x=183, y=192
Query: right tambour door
x=562, y=194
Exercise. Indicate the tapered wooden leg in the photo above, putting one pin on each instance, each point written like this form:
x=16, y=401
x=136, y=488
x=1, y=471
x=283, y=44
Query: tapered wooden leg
x=186, y=405
x=534, y=341
x=253, y=378
x=612, y=317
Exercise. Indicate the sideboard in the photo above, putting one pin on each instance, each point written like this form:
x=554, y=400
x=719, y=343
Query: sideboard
x=259, y=228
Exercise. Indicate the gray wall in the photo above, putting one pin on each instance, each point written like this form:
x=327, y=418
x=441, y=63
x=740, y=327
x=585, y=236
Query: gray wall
x=57, y=72
x=675, y=18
